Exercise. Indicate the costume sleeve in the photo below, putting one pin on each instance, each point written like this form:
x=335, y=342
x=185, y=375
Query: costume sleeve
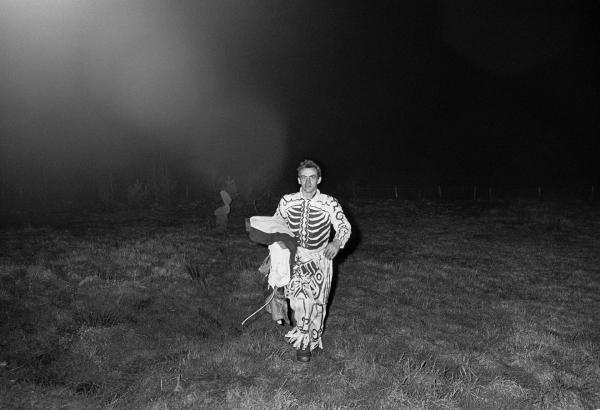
x=340, y=223
x=281, y=210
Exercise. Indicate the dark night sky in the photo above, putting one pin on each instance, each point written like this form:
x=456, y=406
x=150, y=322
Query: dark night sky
x=423, y=91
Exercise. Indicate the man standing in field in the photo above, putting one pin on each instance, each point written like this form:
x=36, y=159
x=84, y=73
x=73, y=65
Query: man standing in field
x=310, y=215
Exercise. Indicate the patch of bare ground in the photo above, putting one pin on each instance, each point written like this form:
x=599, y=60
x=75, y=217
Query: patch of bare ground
x=473, y=305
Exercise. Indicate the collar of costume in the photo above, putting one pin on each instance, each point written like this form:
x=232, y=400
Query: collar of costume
x=314, y=196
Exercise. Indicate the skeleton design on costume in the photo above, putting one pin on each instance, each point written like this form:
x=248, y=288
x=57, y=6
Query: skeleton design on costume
x=311, y=221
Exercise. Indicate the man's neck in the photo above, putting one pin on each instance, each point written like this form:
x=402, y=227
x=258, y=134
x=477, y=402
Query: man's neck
x=308, y=196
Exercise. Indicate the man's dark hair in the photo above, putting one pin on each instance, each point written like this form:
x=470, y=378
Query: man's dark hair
x=307, y=163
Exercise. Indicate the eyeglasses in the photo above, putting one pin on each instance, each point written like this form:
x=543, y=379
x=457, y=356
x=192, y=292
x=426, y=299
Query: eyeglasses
x=311, y=177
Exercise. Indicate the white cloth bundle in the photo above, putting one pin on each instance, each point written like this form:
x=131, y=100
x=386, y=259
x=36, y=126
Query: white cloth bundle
x=279, y=273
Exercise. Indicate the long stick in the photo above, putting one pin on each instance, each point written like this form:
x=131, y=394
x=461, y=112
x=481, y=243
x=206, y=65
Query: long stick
x=269, y=299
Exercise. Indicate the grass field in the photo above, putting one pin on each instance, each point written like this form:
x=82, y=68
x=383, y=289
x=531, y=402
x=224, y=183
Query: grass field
x=434, y=306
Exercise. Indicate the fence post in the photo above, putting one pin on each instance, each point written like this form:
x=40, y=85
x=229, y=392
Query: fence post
x=539, y=192
x=440, y=191
x=396, y=191
x=474, y=192
x=592, y=194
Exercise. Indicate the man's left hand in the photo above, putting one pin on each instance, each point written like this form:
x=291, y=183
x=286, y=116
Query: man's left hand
x=331, y=250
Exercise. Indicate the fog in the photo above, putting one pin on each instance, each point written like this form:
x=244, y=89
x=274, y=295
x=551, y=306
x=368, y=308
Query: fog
x=102, y=92
x=91, y=89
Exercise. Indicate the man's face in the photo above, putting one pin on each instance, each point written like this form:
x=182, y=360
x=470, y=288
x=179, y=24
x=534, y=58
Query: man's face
x=308, y=180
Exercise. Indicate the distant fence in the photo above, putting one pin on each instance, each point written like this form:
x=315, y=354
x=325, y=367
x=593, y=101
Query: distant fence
x=470, y=192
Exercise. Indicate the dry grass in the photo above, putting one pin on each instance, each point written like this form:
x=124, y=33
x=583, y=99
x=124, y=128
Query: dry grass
x=435, y=306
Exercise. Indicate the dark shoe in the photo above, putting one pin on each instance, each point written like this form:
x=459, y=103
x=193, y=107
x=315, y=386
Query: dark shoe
x=303, y=355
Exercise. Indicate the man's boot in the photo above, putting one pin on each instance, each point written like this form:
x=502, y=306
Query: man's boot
x=303, y=355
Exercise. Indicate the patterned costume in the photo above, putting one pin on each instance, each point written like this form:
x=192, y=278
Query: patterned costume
x=311, y=220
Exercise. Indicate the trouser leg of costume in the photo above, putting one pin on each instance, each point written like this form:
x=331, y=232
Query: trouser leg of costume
x=308, y=292
x=278, y=307
x=309, y=316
